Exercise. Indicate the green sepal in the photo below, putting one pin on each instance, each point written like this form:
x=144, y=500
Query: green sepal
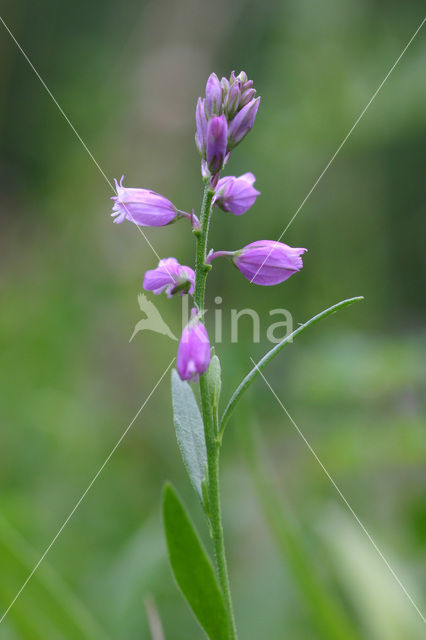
x=214, y=381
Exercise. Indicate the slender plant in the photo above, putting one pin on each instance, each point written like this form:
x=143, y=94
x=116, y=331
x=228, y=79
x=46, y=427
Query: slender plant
x=223, y=118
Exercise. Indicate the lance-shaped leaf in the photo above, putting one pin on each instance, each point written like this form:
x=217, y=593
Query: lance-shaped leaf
x=192, y=568
x=189, y=431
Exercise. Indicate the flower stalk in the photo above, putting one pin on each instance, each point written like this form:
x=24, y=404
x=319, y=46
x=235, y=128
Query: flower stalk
x=213, y=444
x=201, y=234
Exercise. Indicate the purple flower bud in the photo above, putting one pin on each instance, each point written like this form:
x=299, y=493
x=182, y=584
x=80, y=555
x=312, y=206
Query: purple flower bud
x=242, y=81
x=143, y=207
x=170, y=277
x=214, y=94
x=236, y=194
x=225, y=85
x=241, y=124
x=232, y=101
x=268, y=262
x=217, y=134
x=201, y=122
x=242, y=77
x=246, y=96
x=193, y=356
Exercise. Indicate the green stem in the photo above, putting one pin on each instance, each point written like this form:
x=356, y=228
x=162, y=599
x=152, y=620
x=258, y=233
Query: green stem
x=212, y=442
x=201, y=266
x=217, y=534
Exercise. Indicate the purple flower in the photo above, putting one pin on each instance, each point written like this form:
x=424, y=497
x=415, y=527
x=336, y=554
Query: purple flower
x=217, y=133
x=201, y=122
x=268, y=262
x=214, y=95
x=193, y=356
x=241, y=124
x=170, y=277
x=236, y=194
x=143, y=207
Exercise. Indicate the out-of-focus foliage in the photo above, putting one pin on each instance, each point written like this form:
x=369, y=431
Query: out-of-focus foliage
x=127, y=75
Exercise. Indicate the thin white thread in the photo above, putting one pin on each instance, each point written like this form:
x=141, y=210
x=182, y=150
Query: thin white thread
x=80, y=500
x=341, y=495
x=92, y=157
x=333, y=157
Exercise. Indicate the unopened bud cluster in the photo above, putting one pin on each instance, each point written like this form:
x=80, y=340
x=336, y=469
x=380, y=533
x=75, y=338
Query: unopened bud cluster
x=223, y=118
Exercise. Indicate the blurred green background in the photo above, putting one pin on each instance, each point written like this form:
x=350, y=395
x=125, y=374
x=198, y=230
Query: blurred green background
x=128, y=75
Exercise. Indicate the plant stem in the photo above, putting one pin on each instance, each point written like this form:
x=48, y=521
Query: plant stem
x=201, y=266
x=212, y=442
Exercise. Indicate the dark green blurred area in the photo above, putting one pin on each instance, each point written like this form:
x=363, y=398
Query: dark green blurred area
x=128, y=75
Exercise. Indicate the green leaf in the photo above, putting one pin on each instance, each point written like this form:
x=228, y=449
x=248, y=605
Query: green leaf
x=189, y=431
x=246, y=382
x=192, y=568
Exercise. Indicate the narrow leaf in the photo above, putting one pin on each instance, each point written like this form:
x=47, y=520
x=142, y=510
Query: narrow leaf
x=246, y=382
x=189, y=431
x=192, y=568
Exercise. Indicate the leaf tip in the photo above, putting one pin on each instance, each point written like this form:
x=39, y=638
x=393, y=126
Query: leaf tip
x=167, y=493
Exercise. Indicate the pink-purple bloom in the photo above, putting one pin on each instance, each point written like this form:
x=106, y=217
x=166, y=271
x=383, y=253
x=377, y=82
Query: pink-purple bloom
x=217, y=135
x=171, y=277
x=144, y=207
x=193, y=356
x=268, y=262
x=242, y=123
x=236, y=194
